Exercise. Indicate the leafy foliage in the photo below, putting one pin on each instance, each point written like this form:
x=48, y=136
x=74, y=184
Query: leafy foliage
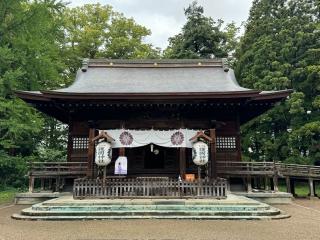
x=42, y=44
x=13, y=171
x=201, y=37
x=279, y=50
x=93, y=31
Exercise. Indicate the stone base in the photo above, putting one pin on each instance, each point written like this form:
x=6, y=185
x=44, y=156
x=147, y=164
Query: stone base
x=233, y=207
x=32, y=198
x=268, y=197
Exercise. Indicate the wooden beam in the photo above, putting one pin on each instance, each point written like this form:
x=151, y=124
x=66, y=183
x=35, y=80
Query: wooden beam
x=90, y=152
x=182, y=162
x=213, y=158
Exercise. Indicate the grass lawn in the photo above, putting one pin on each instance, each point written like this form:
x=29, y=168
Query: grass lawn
x=301, y=188
x=7, y=196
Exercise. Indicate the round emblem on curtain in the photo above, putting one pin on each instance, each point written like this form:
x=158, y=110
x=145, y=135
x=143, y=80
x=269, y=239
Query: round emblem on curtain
x=126, y=138
x=177, y=138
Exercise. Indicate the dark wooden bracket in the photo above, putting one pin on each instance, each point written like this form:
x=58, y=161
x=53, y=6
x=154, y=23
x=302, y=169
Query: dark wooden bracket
x=202, y=135
x=104, y=135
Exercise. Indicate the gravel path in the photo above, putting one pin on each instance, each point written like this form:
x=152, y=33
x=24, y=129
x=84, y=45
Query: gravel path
x=304, y=224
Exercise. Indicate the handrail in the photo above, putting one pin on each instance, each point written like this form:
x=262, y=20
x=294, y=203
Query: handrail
x=57, y=168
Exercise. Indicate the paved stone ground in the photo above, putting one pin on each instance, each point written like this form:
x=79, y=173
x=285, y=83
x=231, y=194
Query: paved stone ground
x=304, y=224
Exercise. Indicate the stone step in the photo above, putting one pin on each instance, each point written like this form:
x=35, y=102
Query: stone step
x=145, y=202
x=30, y=212
x=83, y=217
x=67, y=208
x=39, y=207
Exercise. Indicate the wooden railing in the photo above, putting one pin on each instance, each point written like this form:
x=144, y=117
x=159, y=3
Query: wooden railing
x=268, y=168
x=296, y=170
x=245, y=168
x=57, y=168
x=54, y=171
x=148, y=187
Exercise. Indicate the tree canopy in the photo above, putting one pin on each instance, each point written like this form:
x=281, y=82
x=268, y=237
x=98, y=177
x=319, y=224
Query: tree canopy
x=201, y=36
x=42, y=44
x=281, y=49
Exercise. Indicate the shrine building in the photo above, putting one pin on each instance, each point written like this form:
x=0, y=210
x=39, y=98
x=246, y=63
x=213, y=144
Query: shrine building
x=152, y=111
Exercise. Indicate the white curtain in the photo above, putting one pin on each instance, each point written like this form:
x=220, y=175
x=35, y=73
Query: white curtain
x=137, y=138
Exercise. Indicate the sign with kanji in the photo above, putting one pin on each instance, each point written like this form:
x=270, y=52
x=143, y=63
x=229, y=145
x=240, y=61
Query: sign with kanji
x=103, y=154
x=200, y=153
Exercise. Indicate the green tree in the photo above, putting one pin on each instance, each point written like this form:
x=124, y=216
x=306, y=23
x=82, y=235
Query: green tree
x=30, y=37
x=95, y=30
x=280, y=49
x=42, y=44
x=201, y=37
x=29, y=59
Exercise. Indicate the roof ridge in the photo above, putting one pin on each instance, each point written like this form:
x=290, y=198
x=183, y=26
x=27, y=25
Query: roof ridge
x=105, y=62
x=158, y=60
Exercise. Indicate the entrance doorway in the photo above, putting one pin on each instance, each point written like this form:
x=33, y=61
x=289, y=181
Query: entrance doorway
x=154, y=157
x=159, y=161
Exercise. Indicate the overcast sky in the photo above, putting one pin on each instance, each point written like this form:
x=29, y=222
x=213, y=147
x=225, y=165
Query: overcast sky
x=166, y=17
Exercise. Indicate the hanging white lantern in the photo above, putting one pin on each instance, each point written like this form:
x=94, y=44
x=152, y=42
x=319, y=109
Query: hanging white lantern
x=200, y=153
x=103, y=154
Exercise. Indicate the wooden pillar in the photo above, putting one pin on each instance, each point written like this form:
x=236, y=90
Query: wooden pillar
x=238, y=137
x=90, y=153
x=228, y=184
x=70, y=143
x=249, y=186
x=213, y=170
x=292, y=189
x=31, y=184
x=42, y=184
x=275, y=183
x=182, y=162
x=266, y=183
x=255, y=182
x=275, y=178
x=288, y=184
x=311, y=187
x=50, y=184
x=57, y=187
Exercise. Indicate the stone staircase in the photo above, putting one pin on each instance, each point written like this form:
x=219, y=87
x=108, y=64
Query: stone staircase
x=234, y=207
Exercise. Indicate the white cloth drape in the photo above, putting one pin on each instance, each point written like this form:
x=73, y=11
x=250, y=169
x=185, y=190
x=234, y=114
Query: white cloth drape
x=137, y=138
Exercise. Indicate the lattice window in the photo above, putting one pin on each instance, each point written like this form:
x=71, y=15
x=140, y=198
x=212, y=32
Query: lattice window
x=80, y=142
x=226, y=143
